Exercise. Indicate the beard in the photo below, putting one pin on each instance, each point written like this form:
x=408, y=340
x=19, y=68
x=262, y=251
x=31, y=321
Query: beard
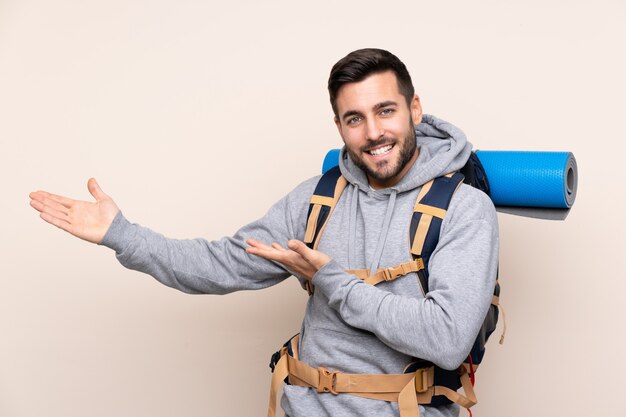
x=385, y=170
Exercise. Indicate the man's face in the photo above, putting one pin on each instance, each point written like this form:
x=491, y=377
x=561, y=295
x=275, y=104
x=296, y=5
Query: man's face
x=377, y=127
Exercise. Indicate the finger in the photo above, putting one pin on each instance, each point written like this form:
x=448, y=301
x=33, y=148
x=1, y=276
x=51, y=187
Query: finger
x=61, y=224
x=37, y=205
x=257, y=244
x=259, y=248
x=278, y=247
x=60, y=212
x=273, y=253
x=43, y=195
x=95, y=190
x=267, y=253
x=299, y=247
x=314, y=257
x=55, y=205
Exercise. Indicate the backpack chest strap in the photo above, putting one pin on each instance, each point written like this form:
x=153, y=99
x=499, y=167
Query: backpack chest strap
x=388, y=274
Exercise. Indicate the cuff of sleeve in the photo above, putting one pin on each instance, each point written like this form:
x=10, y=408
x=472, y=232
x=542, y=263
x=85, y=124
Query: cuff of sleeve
x=119, y=235
x=331, y=278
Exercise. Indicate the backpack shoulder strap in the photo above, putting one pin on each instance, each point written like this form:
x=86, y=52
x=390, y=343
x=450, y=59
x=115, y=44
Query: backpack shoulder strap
x=323, y=201
x=430, y=208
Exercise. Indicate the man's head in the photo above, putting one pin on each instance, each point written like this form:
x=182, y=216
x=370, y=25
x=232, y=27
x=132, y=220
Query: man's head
x=375, y=112
x=359, y=64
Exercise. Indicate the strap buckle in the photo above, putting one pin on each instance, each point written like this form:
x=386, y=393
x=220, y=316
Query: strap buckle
x=327, y=381
x=420, y=263
x=391, y=273
x=421, y=380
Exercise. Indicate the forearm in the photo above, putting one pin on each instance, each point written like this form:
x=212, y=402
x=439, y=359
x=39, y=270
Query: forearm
x=198, y=266
x=194, y=266
x=440, y=327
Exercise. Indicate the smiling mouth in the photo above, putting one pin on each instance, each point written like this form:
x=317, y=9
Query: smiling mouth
x=380, y=150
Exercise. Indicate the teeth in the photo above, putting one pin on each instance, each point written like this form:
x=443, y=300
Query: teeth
x=381, y=151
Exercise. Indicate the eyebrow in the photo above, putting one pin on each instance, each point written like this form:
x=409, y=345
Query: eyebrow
x=378, y=106
x=385, y=104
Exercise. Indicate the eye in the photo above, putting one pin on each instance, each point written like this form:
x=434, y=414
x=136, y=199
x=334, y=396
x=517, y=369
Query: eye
x=353, y=120
x=386, y=112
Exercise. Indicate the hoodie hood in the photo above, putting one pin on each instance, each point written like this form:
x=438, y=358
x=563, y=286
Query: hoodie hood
x=443, y=148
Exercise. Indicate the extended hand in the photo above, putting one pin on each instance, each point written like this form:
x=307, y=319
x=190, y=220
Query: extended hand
x=299, y=259
x=88, y=221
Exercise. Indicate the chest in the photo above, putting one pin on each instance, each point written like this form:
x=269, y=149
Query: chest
x=371, y=231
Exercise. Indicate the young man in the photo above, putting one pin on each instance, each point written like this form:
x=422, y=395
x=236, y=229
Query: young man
x=391, y=150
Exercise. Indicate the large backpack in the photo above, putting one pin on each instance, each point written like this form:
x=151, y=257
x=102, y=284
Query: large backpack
x=430, y=209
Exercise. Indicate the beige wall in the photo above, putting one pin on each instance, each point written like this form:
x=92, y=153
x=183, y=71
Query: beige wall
x=197, y=115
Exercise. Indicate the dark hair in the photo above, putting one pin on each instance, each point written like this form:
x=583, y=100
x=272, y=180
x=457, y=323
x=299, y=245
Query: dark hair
x=360, y=64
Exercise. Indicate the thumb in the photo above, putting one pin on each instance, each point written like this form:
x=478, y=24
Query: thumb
x=300, y=248
x=312, y=256
x=95, y=190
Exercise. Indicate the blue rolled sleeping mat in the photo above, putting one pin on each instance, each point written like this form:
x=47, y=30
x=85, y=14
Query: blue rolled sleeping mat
x=540, y=185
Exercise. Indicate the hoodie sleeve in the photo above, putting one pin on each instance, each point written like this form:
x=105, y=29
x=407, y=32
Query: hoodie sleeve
x=442, y=326
x=199, y=266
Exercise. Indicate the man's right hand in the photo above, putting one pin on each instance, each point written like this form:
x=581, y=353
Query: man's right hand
x=83, y=219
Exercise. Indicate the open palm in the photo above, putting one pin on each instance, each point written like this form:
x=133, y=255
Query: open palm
x=84, y=219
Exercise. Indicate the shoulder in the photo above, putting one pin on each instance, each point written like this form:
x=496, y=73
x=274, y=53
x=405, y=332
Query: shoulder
x=470, y=204
x=296, y=202
x=302, y=192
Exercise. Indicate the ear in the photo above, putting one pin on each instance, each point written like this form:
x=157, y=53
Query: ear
x=416, y=110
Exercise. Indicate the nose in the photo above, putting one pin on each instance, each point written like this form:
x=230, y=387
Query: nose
x=374, y=129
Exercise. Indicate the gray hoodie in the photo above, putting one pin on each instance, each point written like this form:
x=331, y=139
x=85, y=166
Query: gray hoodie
x=351, y=326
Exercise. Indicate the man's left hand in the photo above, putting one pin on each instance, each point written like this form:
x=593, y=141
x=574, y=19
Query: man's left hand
x=298, y=259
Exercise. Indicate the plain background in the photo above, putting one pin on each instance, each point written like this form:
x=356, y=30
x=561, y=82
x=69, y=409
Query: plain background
x=197, y=115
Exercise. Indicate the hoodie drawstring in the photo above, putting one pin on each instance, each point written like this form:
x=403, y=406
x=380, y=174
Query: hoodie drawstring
x=352, y=227
x=383, y=233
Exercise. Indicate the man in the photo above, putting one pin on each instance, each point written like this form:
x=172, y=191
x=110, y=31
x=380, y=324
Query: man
x=391, y=150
